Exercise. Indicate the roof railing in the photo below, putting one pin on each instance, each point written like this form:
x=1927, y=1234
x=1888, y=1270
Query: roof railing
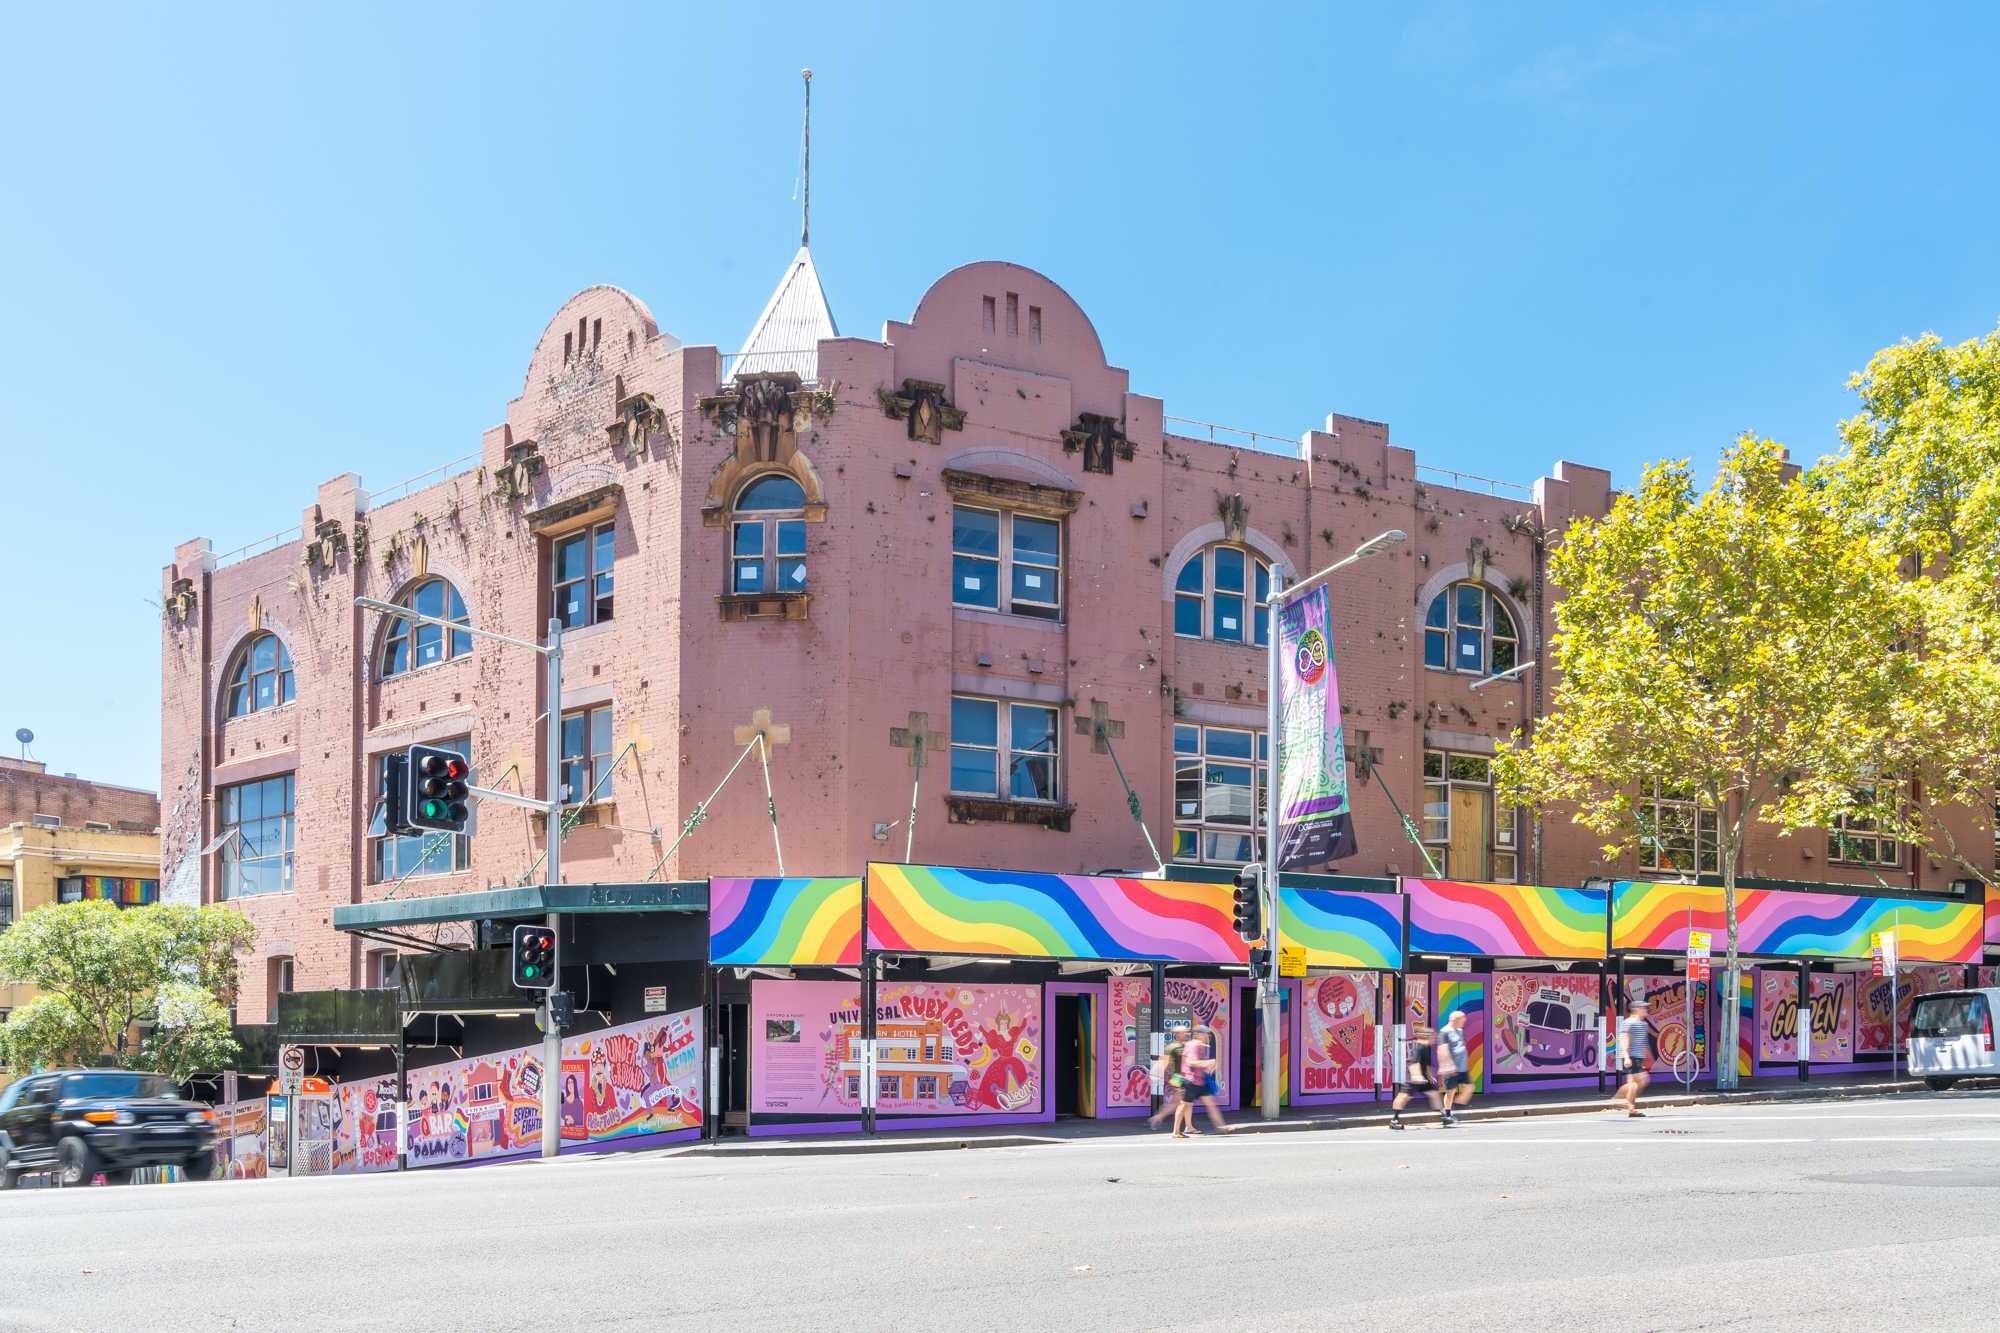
x=1282, y=445
x=404, y=488
x=263, y=546
x=1491, y=486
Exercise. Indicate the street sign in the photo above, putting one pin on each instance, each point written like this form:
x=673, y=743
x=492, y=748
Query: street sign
x=291, y=1070
x=1698, y=941
x=1698, y=969
x=1291, y=960
x=1882, y=953
x=1458, y=965
x=656, y=999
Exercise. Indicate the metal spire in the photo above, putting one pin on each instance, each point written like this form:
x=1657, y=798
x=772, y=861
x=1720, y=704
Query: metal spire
x=805, y=215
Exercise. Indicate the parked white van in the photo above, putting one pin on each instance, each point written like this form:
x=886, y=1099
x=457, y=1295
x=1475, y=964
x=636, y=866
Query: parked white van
x=1951, y=1037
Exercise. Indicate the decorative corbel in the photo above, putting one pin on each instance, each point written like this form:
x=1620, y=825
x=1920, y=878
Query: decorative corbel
x=638, y=415
x=1098, y=438
x=922, y=404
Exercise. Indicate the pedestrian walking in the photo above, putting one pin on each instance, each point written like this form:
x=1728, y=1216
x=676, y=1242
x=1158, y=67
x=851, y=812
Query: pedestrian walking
x=1171, y=1078
x=1418, y=1072
x=1198, y=1067
x=1454, y=1065
x=1635, y=1050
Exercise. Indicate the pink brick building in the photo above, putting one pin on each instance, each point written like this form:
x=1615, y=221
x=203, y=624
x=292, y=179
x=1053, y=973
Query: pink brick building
x=970, y=529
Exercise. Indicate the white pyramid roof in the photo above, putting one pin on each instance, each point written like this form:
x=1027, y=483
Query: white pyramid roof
x=786, y=336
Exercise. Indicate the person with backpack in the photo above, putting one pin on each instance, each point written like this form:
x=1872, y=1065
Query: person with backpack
x=1454, y=1065
x=1171, y=1078
x=1418, y=1070
x=1198, y=1072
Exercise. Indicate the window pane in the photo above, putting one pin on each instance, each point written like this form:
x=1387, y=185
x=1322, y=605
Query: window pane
x=570, y=606
x=266, y=687
x=395, y=659
x=1435, y=617
x=1503, y=867
x=1437, y=814
x=1034, y=583
x=1263, y=582
x=1503, y=655
x=457, y=605
x=1263, y=747
x=264, y=654
x=461, y=643
x=972, y=771
x=1231, y=848
x=1263, y=618
x=430, y=644
x=429, y=600
x=571, y=558
x=792, y=537
x=975, y=722
x=749, y=576
x=975, y=532
x=1469, y=650
x=791, y=575
x=1467, y=768
x=603, y=597
x=1228, y=569
x=1471, y=604
x=1229, y=617
x=1187, y=740
x=1433, y=763
x=600, y=732
x=1228, y=744
x=1037, y=540
x=1227, y=797
x=749, y=539
x=1187, y=844
x=774, y=492
x=1189, y=579
x=606, y=550
x=1187, y=790
x=975, y=582
x=1034, y=762
x=1187, y=617
x=1503, y=624
x=1437, y=650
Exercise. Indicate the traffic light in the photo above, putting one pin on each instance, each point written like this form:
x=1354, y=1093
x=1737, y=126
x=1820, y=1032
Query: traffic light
x=534, y=958
x=1248, y=917
x=437, y=790
x=396, y=794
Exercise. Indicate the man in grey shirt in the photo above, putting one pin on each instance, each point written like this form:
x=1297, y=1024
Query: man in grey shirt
x=1635, y=1051
x=1454, y=1065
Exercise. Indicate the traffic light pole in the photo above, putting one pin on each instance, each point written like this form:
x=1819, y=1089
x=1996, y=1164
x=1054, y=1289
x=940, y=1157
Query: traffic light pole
x=551, y=808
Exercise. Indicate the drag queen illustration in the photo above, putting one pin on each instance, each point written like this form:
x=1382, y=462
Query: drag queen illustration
x=1004, y=1086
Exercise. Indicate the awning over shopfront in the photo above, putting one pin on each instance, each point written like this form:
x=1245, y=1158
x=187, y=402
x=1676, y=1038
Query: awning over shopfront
x=529, y=900
x=1785, y=923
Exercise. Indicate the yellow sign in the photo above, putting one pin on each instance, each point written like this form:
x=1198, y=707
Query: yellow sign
x=1698, y=939
x=1291, y=960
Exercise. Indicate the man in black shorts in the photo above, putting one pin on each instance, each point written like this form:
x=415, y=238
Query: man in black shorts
x=1419, y=1075
x=1454, y=1064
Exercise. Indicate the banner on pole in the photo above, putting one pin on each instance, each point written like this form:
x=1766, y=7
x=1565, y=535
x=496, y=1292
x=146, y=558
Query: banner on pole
x=1315, y=821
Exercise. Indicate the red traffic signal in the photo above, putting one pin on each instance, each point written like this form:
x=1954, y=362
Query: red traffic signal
x=439, y=787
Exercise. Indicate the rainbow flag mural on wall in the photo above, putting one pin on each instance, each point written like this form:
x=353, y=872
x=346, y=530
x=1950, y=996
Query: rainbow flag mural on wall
x=1505, y=920
x=1992, y=915
x=124, y=892
x=1786, y=924
x=927, y=909
x=1348, y=930
x=1466, y=991
x=784, y=922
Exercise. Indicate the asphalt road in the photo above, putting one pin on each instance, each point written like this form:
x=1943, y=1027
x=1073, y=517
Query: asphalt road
x=1865, y=1214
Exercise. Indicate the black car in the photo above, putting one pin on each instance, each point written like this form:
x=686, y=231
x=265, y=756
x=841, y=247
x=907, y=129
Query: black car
x=78, y=1122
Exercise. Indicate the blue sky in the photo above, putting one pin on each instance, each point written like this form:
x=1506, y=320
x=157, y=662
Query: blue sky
x=250, y=249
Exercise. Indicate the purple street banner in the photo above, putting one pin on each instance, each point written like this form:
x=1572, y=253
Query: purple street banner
x=1315, y=822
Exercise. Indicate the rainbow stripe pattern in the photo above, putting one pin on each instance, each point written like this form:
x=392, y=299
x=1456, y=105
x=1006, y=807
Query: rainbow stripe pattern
x=124, y=892
x=1355, y=930
x=1992, y=915
x=784, y=922
x=1505, y=920
x=1003, y=914
x=1781, y=923
x=1460, y=991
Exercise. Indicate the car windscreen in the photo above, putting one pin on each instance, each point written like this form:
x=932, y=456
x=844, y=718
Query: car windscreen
x=115, y=1084
x=1960, y=1015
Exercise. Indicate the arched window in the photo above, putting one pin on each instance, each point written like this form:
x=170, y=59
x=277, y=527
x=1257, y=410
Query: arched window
x=767, y=544
x=263, y=676
x=1468, y=629
x=1223, y=593
x=415, y=643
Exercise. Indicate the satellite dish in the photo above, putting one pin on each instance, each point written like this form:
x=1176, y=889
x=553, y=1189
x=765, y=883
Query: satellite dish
x=23, y=735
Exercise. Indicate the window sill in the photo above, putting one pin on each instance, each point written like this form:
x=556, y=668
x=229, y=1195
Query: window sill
x=598, y=814
x=979, y=615
x=409, y=672
x=982, y=810
x=739, y=606
x=261, y=712
x=580, y=632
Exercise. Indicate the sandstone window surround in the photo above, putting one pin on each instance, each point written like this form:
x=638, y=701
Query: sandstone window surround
x=1007, y=545
x=1223, y=592
x=1006, y=763
x=261, y=676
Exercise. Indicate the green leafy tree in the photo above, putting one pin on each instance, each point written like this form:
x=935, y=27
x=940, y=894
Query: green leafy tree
x=103, y=969
x=1732, y=643
x=48, y=1032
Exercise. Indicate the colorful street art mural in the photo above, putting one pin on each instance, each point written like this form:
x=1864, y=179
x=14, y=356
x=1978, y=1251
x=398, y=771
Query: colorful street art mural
x=242, y=1147
x=1666, y=1021
x=1784, y=924
x=784, y=922
x=1545, y=1023
x=944, y=1050
x=1338, y=1016
x=1198, y=1003
x=1832, y=1018
x=1872, y=1006
x=1505, y=920
x=1465, y=991
x=1345, y=930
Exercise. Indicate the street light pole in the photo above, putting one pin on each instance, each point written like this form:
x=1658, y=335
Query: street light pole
x=1269, y=991
x=551, y=809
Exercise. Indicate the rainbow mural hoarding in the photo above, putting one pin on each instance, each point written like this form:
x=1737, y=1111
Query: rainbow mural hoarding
x=1780, y=923
x=1992, y=915
x=1505, y=920
x=1002, y=914
x=784, y=922
x=1343, y=930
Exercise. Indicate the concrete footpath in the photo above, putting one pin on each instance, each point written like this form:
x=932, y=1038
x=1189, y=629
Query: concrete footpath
x=1357, y=1115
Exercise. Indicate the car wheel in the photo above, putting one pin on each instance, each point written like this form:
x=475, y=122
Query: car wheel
x=9, y=1178
x=1936, y=1084
x=76, y=1164
x=201, y=1166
